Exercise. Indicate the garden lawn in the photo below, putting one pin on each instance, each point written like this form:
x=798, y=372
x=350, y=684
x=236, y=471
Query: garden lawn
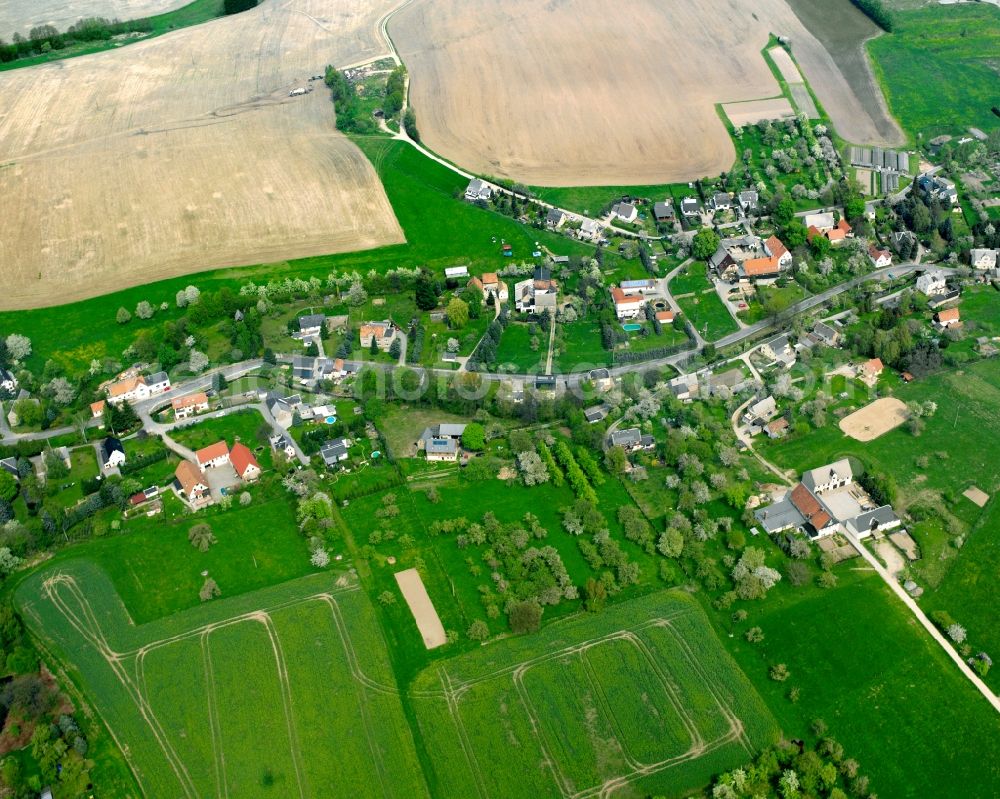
x=84, y=466
x=235, y=426
x=694, y=277
x=515, y=347
x=590, y=200
x=938, y=68
x=708, y=315
x=581, y=345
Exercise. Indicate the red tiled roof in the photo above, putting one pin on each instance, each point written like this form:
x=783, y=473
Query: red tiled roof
x=212, y=451
x=665, y=316
x=189, y=476
x=775, y=247
x=242, y=459
x=874, y=366
x=809, y=506
x=756, y=267
x=948, y=315
x=621, y=298
x=199, y=398
x=813, y=232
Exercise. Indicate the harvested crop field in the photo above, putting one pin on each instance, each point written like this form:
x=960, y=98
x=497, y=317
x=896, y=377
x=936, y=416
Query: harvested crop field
x=875, y=419
x=754, y=111
x=567, y=94
x=185, y=153
x=20, y=16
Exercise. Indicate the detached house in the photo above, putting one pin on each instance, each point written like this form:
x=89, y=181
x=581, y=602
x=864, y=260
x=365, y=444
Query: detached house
x=625, y=212
x=879, y=257
x=663, y=212
x=441, y=441
x=244, y=463
x=7, y=381
x=949, y=317
x=984, y=259
x=932, y=283
x=478, y=190
x=138, y=388
x=491, y=285
x=333, y=452
x=554, y=218
x=189, y=405
x=383, y=333
x=870, y=370
x=112, y=453
x=191, y=483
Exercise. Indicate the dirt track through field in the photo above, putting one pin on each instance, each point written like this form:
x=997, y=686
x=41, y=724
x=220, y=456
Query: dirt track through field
x=564, y=93
x=20, y=16
x=186, y=153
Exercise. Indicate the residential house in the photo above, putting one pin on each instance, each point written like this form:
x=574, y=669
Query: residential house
x=456, y=272
x=629, y=439
x=665, y=317
x=932, y=283
x=595, y=414
x=537, y=294
x=822, y=221
x=760, y=412
x=8, y=382
x=280, y=442
x=684, y=387
x=881, y=519
x=731, y=379
x=97, y=409
x=879, y=257
x=835, y=235
x=939, y=187
x=691, y=207
x=601, y=378
x=722, y=201
x=766, y=269
x=722, y=261
x=282, y=409
x=478, y=190
x=440, y=442
x=627, y=306
x=777, y=428
x=554, y=219
x=189, y=405
x=625, y=212
x=112, y=453
x=213, y=456
x=310, y=325
x=664, y=211
x=244, y=463
x=333, y=452
x=870, y=370
x=984, y=259
x=779, y=349
x=191, y=483
x=902, y=238
x=138, y=388
x=9, y=465
x=12, y=417
x=949, y=317
x=826, y=334
x=749, y=200
x=590, y=229
x=493, y=285
x=827, y=478
x=383, y=333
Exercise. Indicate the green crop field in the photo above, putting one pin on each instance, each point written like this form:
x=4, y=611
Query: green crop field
x=284, y=692
x=640, y=699
x=708, y=315
x=938, y=68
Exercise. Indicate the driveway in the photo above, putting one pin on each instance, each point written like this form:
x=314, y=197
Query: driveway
x=222, y=480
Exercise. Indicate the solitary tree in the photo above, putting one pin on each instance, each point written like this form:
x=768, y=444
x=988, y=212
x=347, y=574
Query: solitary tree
x=458, y=313
x=201, y=537
x=209, y=590
x=704, y=243
x=123, y=316
x=474, y=437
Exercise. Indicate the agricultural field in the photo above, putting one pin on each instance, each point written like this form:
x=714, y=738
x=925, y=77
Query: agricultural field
x=325, y=720
x=536, y=104
x=20, y=16
x=941, y=58
x=126, y=164
x=641, y=699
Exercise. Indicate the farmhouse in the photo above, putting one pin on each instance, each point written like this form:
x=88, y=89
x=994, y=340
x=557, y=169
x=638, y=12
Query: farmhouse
x=625, y=212
x=138, y=388
x=835, y=234
x=333, y=452
x=932, y=283
x=820, y=221
x=767, y=268
x=440, y=442
x=382, y=333
x=828, y=501
x=664, y=211
x=188, y=405
x=949, y=317
x=491, y=285
x=984, y=259
x=478, y=190
x=112, y=453
x=191, y=483
x=213, y=455
x=536, y=294
x=879, y=257
x=244, y=463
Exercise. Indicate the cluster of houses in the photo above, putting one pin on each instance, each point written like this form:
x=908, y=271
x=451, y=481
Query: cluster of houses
x=632, y=296
x=940, y=188
x=537, y=294
x=191, y=479
x=826, y=501
x=823, y=225
x=309, y=371
x=130, y=387
x=490, y=285
x=748, y=258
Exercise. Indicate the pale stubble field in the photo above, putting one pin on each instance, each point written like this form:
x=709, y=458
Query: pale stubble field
x=186, y=153
x=577, y=92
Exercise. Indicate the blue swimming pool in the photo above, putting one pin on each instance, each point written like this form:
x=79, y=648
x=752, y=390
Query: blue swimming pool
x=330, y=420
x=631, y=327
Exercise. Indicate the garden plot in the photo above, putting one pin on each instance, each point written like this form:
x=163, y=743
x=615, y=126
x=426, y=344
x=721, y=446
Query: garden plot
x=591, y=707
x=753, y=111
x=287, y=691
x=184, y=153
x=875, y=419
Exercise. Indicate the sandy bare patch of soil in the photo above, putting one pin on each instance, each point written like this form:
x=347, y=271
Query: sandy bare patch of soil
x=416, y=596
x=977, y=496
x=754, y=111
x=20, y=16
x=572, y=92
x=875, y=419
x=185, y=153
x=783, y=61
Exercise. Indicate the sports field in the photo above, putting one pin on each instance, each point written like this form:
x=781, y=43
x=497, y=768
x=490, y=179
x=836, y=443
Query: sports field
x=639, y=700
x=283, y=692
